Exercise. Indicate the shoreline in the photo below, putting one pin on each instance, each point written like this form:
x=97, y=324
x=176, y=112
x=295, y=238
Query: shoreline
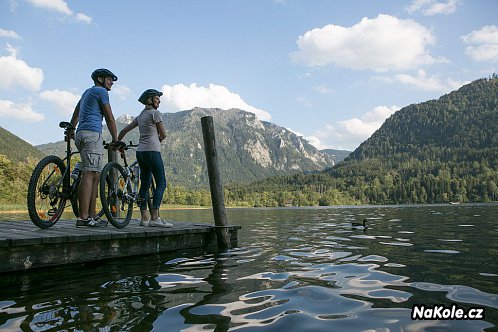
x=192, y=207
x=179, y=207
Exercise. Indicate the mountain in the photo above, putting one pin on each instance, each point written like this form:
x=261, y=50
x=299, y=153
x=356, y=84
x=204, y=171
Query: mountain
x=437, y=151
x=248, y=149
x=338, y=155
x=15, y=149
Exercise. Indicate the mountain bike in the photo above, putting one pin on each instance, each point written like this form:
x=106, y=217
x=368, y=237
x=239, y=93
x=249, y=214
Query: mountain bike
x=51, y=186
x=119, y=187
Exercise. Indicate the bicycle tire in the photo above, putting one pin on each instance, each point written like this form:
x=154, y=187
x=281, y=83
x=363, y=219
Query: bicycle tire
x=44, y=199
x=150, y=197
x=116, y=197
x=75, y=203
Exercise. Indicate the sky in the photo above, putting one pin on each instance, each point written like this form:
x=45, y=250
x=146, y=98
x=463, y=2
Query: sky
x=330, y=71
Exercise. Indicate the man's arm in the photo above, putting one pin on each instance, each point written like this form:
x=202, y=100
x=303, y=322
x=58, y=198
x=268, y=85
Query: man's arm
x=109, y=120
x=75, y=117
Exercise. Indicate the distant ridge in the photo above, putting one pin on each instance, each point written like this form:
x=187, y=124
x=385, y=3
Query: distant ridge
x=16, y=149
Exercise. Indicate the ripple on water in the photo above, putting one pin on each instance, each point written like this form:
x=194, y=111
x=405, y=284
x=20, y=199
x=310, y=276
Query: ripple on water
x=488, y=274
x=459, y=293
x=442, y=251
x=276, y=309
x=394, y=243
x=283, y=258
x=394, y=265
x=172, y=280
x=269, y=276
x=373, y=258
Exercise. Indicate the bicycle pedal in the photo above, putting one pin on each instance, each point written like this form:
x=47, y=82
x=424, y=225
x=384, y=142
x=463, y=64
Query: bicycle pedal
x=52, y=212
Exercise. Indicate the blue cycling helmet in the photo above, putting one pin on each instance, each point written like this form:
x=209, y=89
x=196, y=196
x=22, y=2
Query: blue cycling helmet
x=147, y=94
x=102, y=72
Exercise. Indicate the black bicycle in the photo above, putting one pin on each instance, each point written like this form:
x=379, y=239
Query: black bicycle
x=51, y=186
x=119, y=187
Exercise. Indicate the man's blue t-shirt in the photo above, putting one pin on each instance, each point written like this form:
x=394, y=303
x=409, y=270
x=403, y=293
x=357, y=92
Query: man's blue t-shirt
x=91, y=109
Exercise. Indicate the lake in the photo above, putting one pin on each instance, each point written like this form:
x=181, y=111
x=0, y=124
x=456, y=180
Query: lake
x=296, y=269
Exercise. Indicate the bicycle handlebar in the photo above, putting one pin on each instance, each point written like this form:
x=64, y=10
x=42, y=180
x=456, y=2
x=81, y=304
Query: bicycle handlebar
x=119, y=145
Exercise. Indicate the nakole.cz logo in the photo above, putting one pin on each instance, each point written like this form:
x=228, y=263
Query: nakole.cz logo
x=441, y=312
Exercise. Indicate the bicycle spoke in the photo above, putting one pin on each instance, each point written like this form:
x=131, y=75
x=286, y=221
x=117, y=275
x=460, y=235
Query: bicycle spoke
x=45, y=203
x=116, y=198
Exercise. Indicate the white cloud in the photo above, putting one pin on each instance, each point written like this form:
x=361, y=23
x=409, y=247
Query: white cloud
x=349, y=134
x=22, y=112
x=313, y=140
x=61, y=7
x=304, y=102
x=323, y=89
x=380, y=44
x=54, y=5
x=316, y=142
x=182, y=97
x=433, y=7
x=83, y=18
x=483, y=44
x=424, y=82
x=15, y=72
x=64, y=100
x=9, y=34
x=122, y=91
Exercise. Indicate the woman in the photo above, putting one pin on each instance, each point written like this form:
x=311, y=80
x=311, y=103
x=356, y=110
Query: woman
x=152, y=132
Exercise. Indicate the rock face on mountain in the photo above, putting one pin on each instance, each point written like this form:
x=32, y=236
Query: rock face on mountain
x=248, y=149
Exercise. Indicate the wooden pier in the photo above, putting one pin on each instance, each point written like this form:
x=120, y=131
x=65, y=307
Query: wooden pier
x=24, y=246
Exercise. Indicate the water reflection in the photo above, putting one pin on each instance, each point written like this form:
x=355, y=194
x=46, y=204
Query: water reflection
x=296, y=270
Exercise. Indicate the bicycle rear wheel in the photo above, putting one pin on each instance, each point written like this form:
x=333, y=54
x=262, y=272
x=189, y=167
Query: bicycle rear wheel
x=45, y=200
x=116, y=195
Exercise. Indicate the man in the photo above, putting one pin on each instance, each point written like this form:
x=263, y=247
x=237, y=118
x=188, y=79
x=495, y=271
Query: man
x=93, y=106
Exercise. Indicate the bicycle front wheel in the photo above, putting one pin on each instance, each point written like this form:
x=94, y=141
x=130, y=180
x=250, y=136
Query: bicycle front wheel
x=116, y=195
x=45, y=200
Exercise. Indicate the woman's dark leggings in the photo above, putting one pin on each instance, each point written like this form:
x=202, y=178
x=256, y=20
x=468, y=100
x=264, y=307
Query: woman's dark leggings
x=151, y=164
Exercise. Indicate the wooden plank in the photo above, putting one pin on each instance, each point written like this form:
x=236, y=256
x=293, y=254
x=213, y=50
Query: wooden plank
x=25, y=246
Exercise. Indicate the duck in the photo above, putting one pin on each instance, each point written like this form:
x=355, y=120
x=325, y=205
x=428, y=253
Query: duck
x=363, y=225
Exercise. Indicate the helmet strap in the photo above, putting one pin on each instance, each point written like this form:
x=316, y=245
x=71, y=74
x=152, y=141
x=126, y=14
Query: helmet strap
x=100, y=81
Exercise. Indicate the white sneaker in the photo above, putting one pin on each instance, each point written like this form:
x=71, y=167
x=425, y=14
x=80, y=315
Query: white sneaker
x=145, y=222
x=159, y=223
x=167, y=224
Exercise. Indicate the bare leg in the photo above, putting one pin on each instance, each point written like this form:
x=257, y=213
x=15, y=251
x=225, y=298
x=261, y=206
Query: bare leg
x=145, y=215
x=154, y=214
x=94, y=193
x=84, y=194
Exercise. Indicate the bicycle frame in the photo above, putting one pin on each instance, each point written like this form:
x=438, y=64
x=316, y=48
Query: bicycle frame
x=66, y=185
x=47, y=192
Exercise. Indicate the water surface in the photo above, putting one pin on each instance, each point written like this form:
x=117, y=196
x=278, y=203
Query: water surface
x=296, y=269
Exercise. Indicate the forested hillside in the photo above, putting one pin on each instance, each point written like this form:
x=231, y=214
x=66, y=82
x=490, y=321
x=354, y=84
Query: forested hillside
x=437, y=151
x=15, y=149
x=17, y=160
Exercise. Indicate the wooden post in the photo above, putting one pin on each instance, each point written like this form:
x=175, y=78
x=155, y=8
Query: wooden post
x=215, y=185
